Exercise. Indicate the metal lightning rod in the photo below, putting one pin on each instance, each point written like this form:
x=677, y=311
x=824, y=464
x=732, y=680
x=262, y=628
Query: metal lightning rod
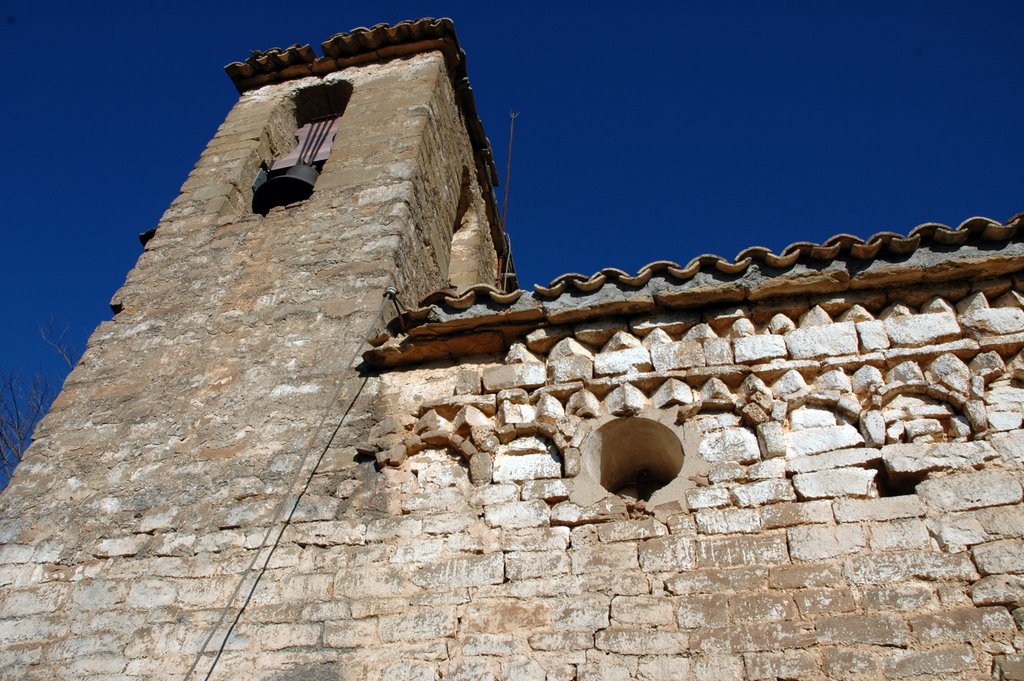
x=508, y=274
x=512, y=116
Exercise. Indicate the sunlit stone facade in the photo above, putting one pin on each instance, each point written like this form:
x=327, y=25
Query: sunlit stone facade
x=276, y=462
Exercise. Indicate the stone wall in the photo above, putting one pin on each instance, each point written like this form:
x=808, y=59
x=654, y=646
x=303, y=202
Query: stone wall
x=855, y=512
x=167, y=455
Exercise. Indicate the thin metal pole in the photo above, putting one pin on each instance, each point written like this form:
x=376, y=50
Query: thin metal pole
x=512, y=116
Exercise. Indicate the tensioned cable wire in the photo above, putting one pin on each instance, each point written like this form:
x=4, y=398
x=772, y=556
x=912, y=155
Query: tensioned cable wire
x=389, y=293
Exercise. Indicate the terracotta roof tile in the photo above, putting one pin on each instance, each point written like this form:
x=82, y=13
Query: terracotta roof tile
x=755, y=274
x=361, y=40
x=360, y=45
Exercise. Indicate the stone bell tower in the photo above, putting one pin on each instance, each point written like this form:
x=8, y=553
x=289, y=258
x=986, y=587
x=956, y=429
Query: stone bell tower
x=197, y=412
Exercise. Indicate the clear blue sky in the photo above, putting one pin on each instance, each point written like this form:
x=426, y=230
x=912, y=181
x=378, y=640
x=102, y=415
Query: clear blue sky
x=648, y=130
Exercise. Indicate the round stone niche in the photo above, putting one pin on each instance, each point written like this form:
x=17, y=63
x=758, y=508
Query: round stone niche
x=633, y=457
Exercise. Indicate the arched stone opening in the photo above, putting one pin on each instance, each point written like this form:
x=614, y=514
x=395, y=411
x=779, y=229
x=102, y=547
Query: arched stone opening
x=299, y=149
x=633, y=457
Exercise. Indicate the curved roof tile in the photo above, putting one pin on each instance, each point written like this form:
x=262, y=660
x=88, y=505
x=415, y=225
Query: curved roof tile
x=377, y=42
x=360, y=40
x=833, y=248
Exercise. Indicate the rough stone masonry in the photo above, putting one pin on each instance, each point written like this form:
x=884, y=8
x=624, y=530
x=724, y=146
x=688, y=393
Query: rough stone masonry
x=804, y=465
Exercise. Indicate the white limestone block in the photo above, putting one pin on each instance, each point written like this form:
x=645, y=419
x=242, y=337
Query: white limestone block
x=679, y=355
x=966, y=491
x=515, y=468
x=511, y=413
x=872, y=427
x=672, y=392
x=816, y=440
x=715, y=390
x=972, y=303
x=571, y=368
x=938, y=304
x=998, y=590
x=867, y=379
x=788, y=384
x=830, y=340
x=752, y=348
x=856, y=314
x=994, y=321
x=529, y=375
x=816, y=316
x=781, y=324
x=741, y=328
x=621, y=340
x=835, y=379
x=718, y=351
x=657, y=337
x=584, y=404
x=987, y=365
x=914, y=459
x=569, y=347
x=839, y=482
x=707, y=497
x=433, y=421
x=811, y=417
x=951, y=372
x=549, y=409
x=922, y=329
x=526, y=445
x=519, y=354
x=767, y=470
x=1010, y=446
x=763, y=492
x=872, y=336
x=471, y=417
x=1004, y=556
x=840, y=458
x=824, y=542
x=905, y=372
x=728, y=520
x=626, y=400
x=628, y=360
x=730, y=444
x=900, y=535
x=517, y=514
x=771, y=438
x=956, y=533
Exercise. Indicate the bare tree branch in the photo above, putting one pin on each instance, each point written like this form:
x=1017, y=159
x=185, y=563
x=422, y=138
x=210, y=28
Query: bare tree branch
x=25, y=400
x=55, y=339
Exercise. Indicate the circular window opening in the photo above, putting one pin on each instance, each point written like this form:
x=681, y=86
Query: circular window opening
x=633, y=457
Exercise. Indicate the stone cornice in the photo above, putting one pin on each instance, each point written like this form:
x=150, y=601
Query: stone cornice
x=482, y=319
